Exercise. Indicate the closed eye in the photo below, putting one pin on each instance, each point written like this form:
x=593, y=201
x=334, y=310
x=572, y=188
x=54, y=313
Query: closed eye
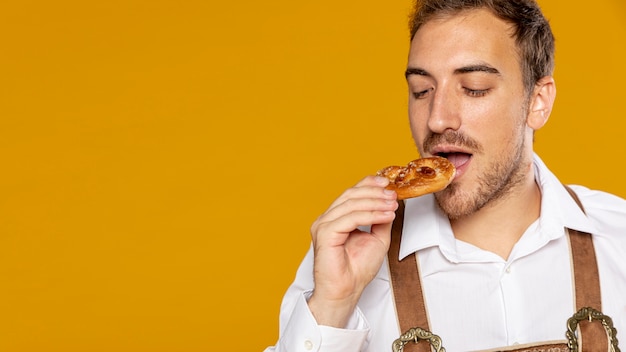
x=422, y=94
x=476, y=93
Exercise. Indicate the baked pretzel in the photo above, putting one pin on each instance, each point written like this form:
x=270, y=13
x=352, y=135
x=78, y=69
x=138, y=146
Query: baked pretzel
x=419, y=177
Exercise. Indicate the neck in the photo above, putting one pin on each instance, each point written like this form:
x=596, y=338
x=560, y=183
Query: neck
x=499, y=225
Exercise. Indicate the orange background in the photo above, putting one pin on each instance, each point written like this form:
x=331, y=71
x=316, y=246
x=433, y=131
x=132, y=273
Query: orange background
x=162, y=161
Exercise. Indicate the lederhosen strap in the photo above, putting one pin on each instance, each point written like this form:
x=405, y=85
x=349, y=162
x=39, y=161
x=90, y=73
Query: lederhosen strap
x=409, y=298
x=587, y=285
x=406, y=285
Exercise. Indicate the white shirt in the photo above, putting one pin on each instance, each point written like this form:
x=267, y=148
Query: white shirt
x=475, y=299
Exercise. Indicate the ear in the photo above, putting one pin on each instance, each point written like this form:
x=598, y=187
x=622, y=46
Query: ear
x=541, y=102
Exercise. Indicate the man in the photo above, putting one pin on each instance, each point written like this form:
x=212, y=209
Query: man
x=493, y=249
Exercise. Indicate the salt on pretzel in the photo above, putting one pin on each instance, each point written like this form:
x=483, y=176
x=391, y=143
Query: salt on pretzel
x=419, y=177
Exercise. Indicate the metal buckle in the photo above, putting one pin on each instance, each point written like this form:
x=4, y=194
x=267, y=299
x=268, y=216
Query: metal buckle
x=588, y=313
x=415, y=335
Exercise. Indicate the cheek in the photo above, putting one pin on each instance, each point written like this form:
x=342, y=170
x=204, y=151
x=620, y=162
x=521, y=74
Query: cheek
x=494, y=118
x=501, y=128
x=419, y=128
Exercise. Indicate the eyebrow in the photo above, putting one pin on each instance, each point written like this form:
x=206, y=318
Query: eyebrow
x=461, y=70
x=415, y=71
x=477, y=68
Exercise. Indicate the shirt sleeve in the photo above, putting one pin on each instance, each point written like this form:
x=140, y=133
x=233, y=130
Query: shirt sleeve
x=299, y=332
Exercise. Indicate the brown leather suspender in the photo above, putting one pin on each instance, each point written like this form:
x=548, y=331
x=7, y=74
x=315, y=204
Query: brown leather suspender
x=409, y=299
x=587, y=285
x=406, y=285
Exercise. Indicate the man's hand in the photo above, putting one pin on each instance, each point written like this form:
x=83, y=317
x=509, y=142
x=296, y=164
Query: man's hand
x=345, y=258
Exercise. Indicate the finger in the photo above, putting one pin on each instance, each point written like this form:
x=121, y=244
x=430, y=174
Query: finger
x=382, y=232
x=351, y=205
x=336, y=232
x=369, y=187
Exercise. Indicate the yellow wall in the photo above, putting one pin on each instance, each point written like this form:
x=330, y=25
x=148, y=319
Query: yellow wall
x=162, y=160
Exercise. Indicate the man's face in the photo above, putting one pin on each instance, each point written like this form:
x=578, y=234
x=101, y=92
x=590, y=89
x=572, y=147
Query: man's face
x=467, y=102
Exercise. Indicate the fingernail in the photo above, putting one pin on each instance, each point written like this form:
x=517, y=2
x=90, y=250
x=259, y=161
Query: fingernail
x=388, y=192
x=381, y=180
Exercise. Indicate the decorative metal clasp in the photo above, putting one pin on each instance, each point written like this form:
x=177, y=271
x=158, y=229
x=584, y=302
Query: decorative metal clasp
x=588, y=313
x=415, y=335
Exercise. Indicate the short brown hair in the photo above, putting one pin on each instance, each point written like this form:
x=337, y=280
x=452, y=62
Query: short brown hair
x=532, y=31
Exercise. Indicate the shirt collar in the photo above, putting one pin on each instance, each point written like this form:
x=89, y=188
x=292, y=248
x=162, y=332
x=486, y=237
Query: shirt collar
x=425, y=225
x=558, y=207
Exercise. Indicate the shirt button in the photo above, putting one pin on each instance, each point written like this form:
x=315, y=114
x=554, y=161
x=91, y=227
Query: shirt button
x=508, y=270
x=308, y=345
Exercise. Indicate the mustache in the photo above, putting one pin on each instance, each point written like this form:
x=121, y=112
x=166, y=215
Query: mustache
x=451, y=137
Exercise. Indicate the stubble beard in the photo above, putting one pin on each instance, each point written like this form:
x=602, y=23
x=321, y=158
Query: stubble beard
x=499, y=178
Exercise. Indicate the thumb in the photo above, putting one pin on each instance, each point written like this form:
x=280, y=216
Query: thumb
x=383, y=233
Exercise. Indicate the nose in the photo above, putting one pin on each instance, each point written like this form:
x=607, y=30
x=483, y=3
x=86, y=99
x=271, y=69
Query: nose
x=444, y=111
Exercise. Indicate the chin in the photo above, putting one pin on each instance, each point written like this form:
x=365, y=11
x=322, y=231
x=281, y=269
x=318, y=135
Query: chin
x=457, y=204
x=450, y=202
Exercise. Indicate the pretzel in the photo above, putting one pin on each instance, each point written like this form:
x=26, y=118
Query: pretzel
x=419, y=177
